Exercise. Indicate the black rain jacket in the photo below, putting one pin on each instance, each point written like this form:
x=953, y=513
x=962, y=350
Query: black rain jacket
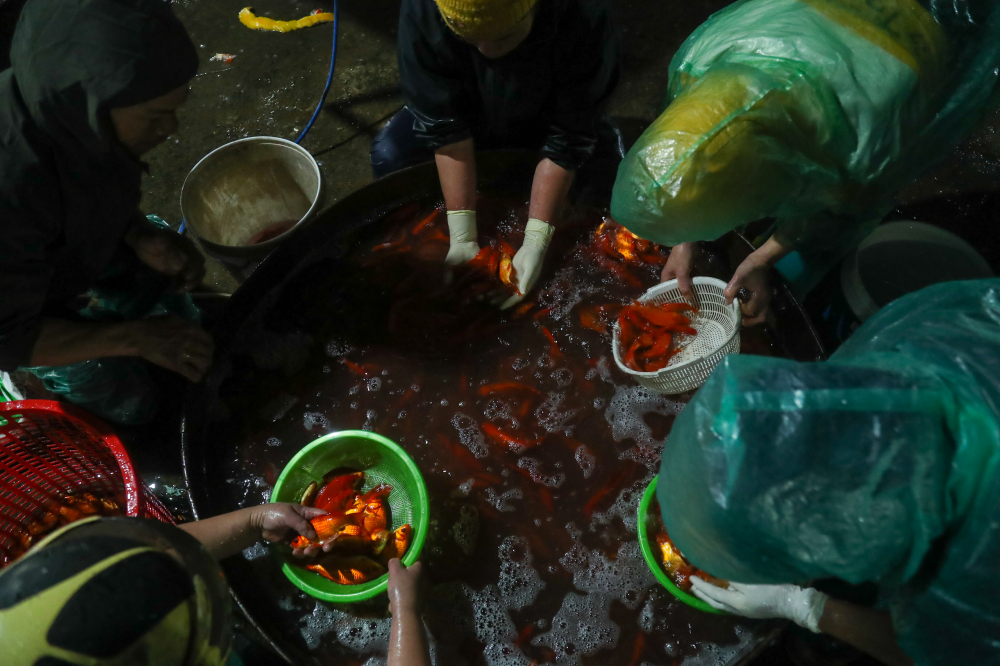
x=68, y=190
x=553, y=86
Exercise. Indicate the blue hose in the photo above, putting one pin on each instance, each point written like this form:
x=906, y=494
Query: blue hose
x=322, y=99
x=329, y=78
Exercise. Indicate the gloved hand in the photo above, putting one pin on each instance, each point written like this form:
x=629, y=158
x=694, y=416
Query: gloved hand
x=528, y=260
x=803, y=606
x=462, y=235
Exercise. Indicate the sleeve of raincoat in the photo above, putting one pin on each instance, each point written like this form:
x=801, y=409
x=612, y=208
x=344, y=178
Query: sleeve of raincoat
x=429, y=76
x=24, y=281
x=587, y=74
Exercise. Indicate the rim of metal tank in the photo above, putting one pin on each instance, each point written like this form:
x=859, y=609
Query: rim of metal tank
x=363, y=207
x=272, y=243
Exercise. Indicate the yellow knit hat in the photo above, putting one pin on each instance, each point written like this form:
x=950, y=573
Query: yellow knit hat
x=483, y=20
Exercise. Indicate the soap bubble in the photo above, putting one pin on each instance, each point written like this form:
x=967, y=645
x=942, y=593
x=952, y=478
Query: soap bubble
x=585, y=459
x=562, y=376
x=519, y=583
x=313, y=419
x=362, y=635
x=581, y=628
x=469, y=434
x=337, y=348
x=625, y=414
x=502, y=501
x=533, y=467
x=466, y=529
x=554, y=419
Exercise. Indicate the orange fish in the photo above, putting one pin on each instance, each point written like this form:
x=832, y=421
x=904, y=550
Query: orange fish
x=327, y=527
x=338, y=491
x=397, y=545
x=348, y=570
x=678, y=568
x=379, y=539
x=374, y=516
x=361, y=501
x=351, y=540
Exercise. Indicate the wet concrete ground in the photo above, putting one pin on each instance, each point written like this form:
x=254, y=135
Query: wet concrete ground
x=273, y=85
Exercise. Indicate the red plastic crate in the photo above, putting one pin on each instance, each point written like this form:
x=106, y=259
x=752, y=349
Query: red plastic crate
x=49, y=450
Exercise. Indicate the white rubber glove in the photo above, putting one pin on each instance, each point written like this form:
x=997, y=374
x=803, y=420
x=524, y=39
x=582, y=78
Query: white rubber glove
x=802, y=605
x=528, y=260
x=462, y=235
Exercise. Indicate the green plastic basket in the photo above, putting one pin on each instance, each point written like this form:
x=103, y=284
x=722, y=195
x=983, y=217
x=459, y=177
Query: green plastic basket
x=383, y=461
x=652, y=557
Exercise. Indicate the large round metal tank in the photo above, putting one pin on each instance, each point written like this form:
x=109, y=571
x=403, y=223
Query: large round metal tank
x=540, y=578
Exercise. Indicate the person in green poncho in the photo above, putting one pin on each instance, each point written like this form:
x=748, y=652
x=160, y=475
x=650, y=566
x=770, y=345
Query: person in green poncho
x=807, y=116
x=879, y=466
x=89, y=284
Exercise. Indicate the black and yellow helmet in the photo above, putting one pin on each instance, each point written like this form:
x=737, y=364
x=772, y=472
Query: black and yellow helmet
x=115, y=592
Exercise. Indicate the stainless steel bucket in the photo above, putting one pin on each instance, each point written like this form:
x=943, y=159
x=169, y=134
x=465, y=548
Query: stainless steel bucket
x=245, y=198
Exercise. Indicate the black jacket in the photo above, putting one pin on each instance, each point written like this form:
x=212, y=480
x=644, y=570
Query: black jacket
x=68, y=191
x=553, y=86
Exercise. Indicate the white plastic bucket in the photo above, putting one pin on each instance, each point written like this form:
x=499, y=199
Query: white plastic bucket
x=902, y=257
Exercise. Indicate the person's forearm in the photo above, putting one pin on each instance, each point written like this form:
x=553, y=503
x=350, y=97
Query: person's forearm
x=456, y=165
x=227, y=534
x=407, y=642
x=549, y=191
x=62, y=342
x=770, y=253
x=867, y=629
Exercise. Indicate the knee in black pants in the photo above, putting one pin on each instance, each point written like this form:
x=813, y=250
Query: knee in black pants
x=397, y=146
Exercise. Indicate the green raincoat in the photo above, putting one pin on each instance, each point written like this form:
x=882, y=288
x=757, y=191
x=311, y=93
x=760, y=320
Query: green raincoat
x=881, y=464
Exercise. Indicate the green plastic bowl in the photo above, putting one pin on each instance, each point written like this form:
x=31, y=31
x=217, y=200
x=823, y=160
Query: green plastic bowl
x=383, y=461
x=652, y=557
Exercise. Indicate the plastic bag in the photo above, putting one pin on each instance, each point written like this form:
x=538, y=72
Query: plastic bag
x=8, y=390
x=119, y=389
x=881, y=464
x=810, y=111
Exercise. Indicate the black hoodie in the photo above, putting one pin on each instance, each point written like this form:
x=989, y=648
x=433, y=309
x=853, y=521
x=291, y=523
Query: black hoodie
x=68, y=190
x=552, y=87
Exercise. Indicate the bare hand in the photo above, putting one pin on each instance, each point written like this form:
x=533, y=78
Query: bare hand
x=751, y=275
x=169, y=253
x=175, y=344
x=678, y=267
x=404, y=586
x=275, y=521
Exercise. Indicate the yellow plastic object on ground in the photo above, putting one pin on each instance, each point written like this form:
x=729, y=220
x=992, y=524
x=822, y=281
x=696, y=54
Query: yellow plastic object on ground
x=254, y=22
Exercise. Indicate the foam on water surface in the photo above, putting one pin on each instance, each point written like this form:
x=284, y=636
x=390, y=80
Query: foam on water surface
x=358, y=634
x=581, y=628
x=558, y=429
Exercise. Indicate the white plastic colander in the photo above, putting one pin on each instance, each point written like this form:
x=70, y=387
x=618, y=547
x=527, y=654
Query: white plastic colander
x=718, y=327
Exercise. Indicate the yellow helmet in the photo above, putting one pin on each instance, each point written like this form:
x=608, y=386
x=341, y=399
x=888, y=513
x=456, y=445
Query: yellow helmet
x=483, y=20
x=115, y=592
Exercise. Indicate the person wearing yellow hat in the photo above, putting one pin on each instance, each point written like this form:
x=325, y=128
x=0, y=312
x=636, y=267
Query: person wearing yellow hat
x=487, y=74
